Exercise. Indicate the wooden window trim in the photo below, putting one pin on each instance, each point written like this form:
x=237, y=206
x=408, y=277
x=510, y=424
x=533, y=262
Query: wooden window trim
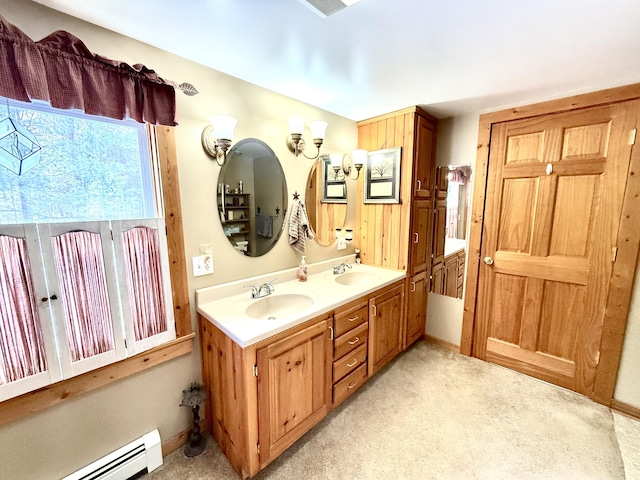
x=621, y=282
x=23, y=405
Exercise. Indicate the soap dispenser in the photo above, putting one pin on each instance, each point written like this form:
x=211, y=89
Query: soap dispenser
x=302, y=270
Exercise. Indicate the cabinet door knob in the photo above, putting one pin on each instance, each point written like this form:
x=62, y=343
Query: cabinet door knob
x=419, y=186
x=413, y=286
x=417, y=238
x=488, y=260
x=331, y=329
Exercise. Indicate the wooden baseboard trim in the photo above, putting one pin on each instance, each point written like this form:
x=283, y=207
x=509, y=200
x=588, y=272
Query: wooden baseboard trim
x=441, y=343
x=180, y=439
x=625, y=408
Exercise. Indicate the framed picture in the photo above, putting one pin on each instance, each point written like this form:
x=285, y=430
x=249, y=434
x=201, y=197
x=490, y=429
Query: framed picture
x=334, y=186
x=382, y=176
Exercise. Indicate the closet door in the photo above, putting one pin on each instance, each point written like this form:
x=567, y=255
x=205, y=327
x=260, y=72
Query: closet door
x=553, y=206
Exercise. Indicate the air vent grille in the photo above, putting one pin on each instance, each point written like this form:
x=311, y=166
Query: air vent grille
x=325, y=8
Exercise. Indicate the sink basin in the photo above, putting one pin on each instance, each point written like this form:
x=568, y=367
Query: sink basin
x=355, y=278
x=278, y=306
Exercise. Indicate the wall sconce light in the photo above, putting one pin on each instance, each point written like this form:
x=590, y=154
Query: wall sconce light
x=349, y=161
x=296, y=128
x=217, y=137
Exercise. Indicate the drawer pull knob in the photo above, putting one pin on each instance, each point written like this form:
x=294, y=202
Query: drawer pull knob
x=354, y=341
x=352, y=385
x=355, y=362
x=354, y=318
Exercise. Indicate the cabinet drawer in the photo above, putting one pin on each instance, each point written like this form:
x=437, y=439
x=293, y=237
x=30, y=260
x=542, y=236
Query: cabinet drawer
x=461, y=265
x=350, y=340
x=350, y=319
x=349, y=384
x=349, y=362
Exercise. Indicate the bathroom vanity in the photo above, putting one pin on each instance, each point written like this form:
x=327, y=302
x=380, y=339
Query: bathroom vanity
x=276, y=365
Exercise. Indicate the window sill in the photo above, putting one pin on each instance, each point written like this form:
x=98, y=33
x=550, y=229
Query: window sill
x=18, y=407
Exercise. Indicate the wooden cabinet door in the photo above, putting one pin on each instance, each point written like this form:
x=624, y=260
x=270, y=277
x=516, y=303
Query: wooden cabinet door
x=420, y=259
x=424, y=158
x=440, y=215
x=437, y=278
x=294, y=387
x=385, y=327
x=553, y=206
x=417, y=308
x=451, y=276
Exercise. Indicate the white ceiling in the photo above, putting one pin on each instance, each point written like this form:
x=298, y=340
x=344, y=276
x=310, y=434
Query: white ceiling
x=452, y=56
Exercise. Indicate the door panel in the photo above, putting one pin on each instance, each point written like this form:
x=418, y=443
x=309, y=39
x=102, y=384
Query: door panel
x=553, y=205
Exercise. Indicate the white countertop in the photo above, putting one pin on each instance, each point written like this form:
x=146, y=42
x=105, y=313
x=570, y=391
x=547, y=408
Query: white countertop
x=453, y=245
x=225, y=305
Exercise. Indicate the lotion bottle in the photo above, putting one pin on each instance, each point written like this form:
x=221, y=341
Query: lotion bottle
x=302, y=270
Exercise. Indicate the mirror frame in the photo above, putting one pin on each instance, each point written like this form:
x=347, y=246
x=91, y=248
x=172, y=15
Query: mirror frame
x=251, y=210
x=324, y=215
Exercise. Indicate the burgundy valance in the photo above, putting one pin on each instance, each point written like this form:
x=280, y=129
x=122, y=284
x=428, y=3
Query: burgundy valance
x=61, y=70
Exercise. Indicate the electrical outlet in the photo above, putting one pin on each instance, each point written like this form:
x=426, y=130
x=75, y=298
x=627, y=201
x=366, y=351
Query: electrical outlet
x=202, y=265
x=342, y=243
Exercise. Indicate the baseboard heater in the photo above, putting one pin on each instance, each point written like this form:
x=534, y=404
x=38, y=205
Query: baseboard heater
x=140, y=456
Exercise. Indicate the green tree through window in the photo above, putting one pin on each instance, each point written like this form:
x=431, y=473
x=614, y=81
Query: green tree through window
x=91, y=168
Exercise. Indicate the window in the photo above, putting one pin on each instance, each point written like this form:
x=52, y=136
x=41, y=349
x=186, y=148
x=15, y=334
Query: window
x=84, y=273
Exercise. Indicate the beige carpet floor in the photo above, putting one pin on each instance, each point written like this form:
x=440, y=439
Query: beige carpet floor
x=434, y=414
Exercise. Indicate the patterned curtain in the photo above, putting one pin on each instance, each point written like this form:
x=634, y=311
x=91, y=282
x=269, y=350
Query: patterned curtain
x=144, y=281
x=61, y=70
x=21, y=346
x=83, y=291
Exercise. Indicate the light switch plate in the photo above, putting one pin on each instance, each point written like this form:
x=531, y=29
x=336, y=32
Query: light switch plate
x=342, y=244
x=202, y=265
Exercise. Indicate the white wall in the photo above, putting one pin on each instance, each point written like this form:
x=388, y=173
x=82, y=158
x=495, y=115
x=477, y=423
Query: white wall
x=627, y=384
x=457, y=141
x=65, y=437
x=456, y=145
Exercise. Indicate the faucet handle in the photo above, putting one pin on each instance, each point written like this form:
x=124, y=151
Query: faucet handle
x=347, y=265
x=254, y=290
x=270, y=284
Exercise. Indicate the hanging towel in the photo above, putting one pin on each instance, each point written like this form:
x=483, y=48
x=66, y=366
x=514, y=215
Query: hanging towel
x=264, y=225
x=299, y=230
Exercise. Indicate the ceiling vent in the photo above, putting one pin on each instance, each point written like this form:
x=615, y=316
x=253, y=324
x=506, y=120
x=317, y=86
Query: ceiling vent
x=324, y=8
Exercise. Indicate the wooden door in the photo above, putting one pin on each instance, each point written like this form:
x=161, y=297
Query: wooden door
x=385, y=327
x=417, y=308
x=553, y=206
x=294, y=388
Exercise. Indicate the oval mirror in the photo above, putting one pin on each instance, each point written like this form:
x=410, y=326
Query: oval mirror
x=252, y=197
x=326, y=201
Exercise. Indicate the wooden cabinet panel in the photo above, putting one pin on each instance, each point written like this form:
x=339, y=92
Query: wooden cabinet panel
x=350, y=340
x=420, y=259
x=349, y=384
x=350, y=316
x=424, y=157
x=417, y=308
x=349, y=362
x=385, y=320
x=439, y=230
x=437, y=278
x=294, y=387
x=451, y=276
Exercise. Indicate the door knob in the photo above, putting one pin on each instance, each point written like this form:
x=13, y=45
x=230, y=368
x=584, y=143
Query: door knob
x=488, y=260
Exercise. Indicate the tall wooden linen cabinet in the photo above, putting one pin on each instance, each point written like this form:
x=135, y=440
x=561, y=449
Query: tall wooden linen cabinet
x=400, y=235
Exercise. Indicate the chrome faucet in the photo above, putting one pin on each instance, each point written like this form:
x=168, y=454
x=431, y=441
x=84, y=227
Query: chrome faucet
x=338, y=269
x=263, y=290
